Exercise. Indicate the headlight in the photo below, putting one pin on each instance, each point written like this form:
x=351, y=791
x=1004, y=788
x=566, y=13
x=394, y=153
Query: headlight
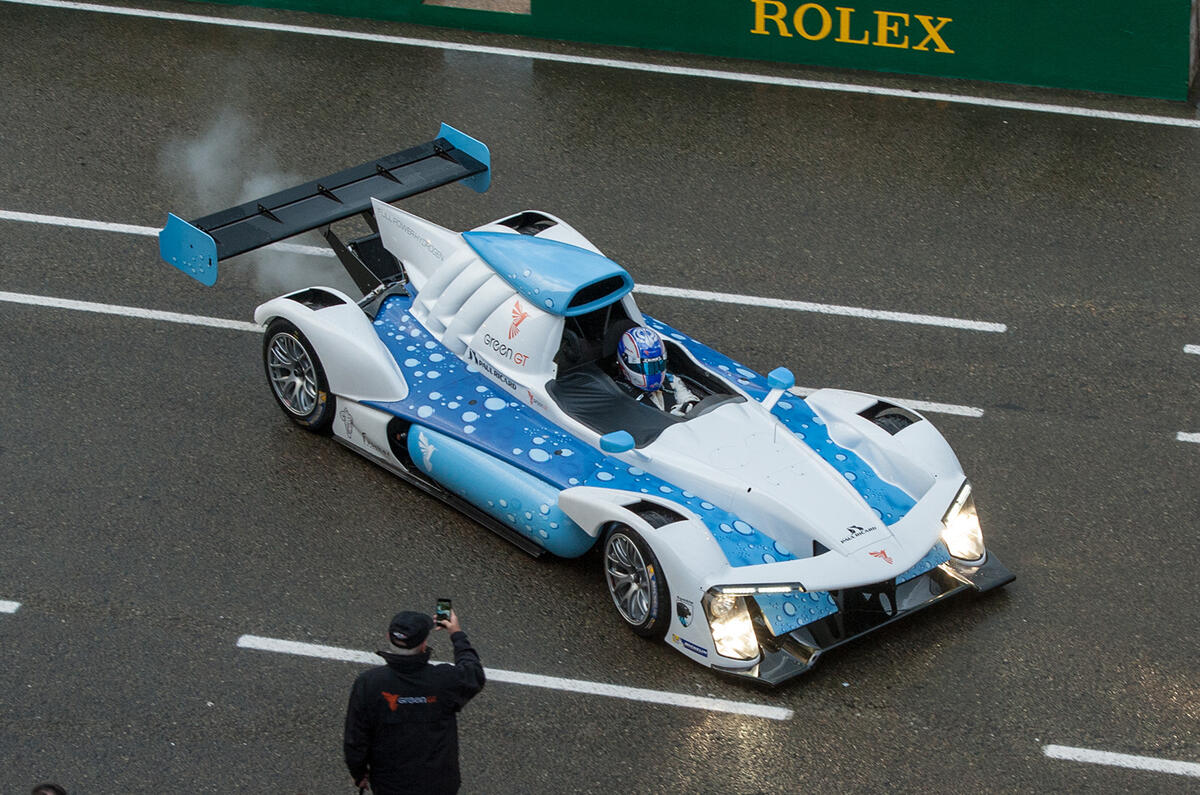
x=963, y=537
x=732, y=630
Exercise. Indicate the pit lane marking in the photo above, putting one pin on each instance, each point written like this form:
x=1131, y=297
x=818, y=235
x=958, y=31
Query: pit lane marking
x=919, y=405
x=130, y=229
x=825, y=309
x=1147, y=763
x=128, y=311
x=241, y=325
x=636, y=66
x=9, y=607
x=648, y=289
x=534, y=680
x=1182, y=436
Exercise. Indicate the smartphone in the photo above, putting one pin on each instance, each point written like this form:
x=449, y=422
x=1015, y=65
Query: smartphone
x=443, y=610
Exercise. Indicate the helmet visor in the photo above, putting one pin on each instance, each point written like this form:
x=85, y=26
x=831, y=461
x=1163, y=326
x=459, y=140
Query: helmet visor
x=649, y=366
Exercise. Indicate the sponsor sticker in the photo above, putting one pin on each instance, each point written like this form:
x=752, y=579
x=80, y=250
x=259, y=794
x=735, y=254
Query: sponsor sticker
x=518, y=317
x=855, y=532
x=687, y=644
x=505, y=350
x=348, y=419
x=684, y=610
x=482, y=364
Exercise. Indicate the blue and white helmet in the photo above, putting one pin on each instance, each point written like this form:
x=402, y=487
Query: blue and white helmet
x=643, y=358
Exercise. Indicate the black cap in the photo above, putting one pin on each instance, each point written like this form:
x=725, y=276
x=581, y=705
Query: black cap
x=409, y=629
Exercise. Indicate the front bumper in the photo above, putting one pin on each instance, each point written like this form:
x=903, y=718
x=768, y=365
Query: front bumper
x=863, y=610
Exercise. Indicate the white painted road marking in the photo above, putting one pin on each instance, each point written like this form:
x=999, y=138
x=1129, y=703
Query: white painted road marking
x=649, y=289
x=241, y=325
x=130, y=229
x=637, y=66
x=919, y=405
x=9, y=607
x=1148, y=763
x=825, y=309
x=535, y=680
x=128, y=311
x=1189, y=437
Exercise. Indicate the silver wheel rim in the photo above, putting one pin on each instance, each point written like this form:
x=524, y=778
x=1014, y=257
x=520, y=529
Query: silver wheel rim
x=292, y=374
x=628, y=579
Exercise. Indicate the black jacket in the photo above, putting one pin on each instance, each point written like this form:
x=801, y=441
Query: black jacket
x=401, y=724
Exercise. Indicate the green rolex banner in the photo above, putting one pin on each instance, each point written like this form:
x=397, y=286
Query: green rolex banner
x=1147, y=48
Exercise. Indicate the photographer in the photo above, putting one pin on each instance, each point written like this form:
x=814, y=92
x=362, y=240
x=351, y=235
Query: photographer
x=401, y=723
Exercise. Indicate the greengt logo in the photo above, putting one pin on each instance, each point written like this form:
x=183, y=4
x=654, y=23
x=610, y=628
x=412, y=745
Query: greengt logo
x=507, y=351
x=518, y=317
x=393, y=699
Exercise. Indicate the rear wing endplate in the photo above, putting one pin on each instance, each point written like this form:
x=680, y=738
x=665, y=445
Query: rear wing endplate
x=196, y=247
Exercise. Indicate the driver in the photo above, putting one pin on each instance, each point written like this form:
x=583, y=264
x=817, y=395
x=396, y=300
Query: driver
x=642, y=360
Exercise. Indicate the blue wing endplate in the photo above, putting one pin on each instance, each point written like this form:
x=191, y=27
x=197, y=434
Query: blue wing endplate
x=189, y=249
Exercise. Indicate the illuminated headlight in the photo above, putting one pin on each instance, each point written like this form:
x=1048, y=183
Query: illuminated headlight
x=732, y=629
x=963, y=537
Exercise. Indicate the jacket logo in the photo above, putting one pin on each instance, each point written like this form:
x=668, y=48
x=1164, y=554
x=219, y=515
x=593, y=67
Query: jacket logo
x=882, y=555
x=518, y=317
x=394, y=699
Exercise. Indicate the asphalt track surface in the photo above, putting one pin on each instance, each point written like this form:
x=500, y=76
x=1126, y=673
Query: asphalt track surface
x=157, y=507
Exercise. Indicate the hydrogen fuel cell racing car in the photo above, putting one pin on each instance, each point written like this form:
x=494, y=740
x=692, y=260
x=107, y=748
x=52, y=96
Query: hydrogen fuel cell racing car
x=752, y=533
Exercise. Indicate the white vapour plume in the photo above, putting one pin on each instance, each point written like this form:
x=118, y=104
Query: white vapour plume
x=226, y=166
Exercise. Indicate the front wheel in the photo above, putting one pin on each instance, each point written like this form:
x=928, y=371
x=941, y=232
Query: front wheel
x=296, y=377
x=636, y=582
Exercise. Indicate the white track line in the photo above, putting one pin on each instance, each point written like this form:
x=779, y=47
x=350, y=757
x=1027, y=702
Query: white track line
x=711, y=74
x=129, y=229
x=240, y=325
x=825, y=309
x=648, y=289
x=9, y=607
x=535, y=680
x=1189, y=437
x=919, y=405
x=127, y=311
x=1148, y=763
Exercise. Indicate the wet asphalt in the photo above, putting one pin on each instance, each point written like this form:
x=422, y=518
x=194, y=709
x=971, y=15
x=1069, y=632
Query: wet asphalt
x=156, y=506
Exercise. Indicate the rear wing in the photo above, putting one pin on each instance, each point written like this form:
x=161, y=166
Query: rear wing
x=196, y=247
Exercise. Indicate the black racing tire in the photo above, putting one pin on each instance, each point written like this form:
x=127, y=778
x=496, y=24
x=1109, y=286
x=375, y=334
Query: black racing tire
x=296, y=377
x=636, y=582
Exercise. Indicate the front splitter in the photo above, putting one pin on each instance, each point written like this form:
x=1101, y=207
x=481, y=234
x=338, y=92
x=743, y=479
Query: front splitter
x=862, y=611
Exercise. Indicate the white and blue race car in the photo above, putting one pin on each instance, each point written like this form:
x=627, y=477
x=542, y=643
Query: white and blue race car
x=752, y=532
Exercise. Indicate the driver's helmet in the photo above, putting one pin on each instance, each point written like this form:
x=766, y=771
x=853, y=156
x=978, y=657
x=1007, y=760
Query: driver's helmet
x=643, y=358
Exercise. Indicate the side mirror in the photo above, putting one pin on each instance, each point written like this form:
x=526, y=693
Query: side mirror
x=616, y=442
x=781, y=378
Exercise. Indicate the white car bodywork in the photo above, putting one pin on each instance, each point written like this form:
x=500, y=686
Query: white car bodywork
x=738, y=455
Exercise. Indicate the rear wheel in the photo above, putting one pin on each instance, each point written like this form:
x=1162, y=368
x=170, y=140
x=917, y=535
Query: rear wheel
x=636, y=582
x=296, y=377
